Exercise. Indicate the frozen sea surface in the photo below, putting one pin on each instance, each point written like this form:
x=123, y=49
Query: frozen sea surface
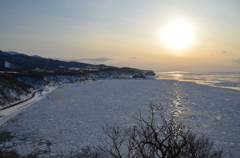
x=73, y=115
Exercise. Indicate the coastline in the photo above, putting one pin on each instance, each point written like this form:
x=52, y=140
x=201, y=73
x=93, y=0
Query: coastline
x=13, y=109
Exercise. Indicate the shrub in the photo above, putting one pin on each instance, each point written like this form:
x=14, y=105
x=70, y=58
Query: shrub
x=9, y=154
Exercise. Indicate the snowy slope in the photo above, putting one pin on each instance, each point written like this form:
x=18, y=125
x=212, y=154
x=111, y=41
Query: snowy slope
x=12, y=53
x=8, y=65
x=51, y=80
x=11, y=91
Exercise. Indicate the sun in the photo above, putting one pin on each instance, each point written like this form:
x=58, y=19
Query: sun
x=178, y=34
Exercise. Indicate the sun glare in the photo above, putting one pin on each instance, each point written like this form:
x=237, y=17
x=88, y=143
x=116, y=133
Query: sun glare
x=178, y=34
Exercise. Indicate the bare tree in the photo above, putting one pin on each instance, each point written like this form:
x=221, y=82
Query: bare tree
x=157, y=136
x=150, y=138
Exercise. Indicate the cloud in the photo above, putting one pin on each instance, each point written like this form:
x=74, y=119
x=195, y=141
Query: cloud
x=95, y=59
x=134, y=57
x=223, y=52
x=236, y=60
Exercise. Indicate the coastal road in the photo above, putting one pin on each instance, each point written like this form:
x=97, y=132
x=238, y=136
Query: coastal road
x=6, y=110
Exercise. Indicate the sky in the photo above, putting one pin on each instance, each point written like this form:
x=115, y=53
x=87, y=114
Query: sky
x=160, y=35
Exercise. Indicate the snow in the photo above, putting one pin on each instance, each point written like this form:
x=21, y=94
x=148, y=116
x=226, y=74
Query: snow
x=12, y=53
x=36, y=56
x=52, y=80
x=8, y=64
x=76, y=68
x=93, y=67
x=73, y=115
x=8, y=113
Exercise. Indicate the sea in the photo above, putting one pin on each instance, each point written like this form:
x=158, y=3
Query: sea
x=229, y=80
x=72, y=116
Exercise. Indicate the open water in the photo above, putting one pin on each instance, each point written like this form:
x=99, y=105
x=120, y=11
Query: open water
x=217, y=79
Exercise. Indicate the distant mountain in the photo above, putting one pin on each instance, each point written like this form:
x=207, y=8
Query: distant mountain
x=15, y=60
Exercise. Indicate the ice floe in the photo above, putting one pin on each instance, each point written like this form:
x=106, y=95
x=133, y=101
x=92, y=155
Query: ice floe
x=73, y=115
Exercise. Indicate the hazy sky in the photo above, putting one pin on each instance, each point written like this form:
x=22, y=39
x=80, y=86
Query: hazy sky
x=184, y=35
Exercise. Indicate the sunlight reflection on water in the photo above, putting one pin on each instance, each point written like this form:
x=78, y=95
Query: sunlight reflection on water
x=220, y=79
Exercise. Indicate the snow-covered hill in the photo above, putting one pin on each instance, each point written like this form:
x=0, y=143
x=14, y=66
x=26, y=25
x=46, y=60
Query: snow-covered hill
x=19, y=86
x=12, y=90
x=22, y=74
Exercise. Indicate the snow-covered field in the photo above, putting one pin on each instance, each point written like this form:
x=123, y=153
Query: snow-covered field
x=72, y=116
